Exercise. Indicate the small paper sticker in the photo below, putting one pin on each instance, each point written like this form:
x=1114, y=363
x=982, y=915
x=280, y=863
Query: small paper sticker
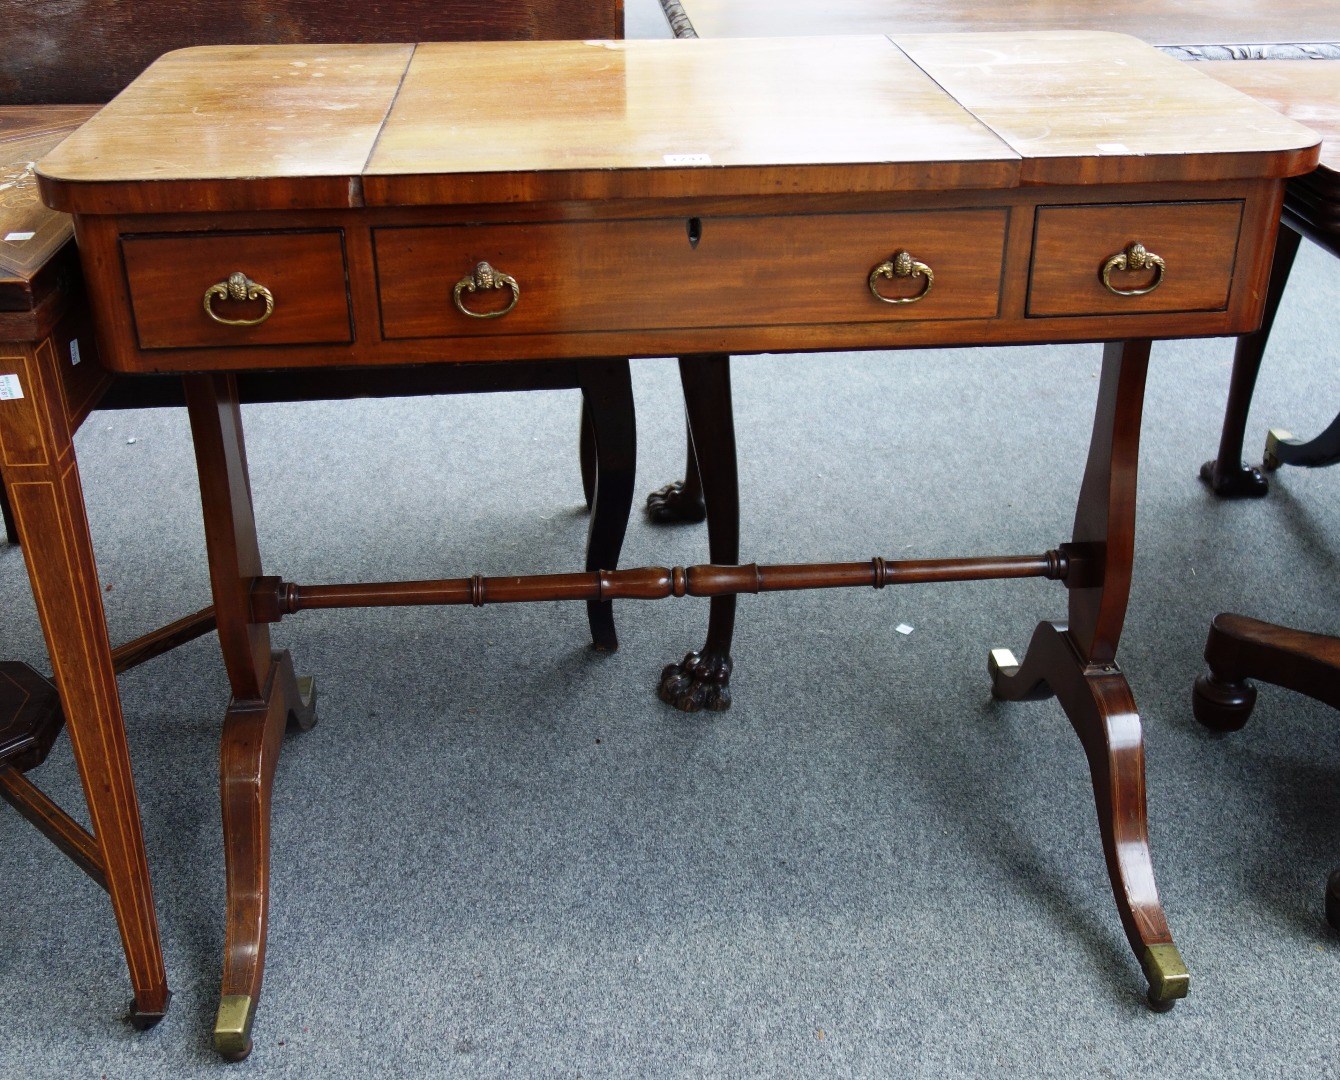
x=74, y=351
x=1113, y=148
x=688, y=159
x=10, y=388
x=903, y=629
x=19, y=237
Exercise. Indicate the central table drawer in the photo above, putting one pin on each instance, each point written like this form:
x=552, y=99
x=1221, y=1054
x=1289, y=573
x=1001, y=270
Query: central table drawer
x=688, y=272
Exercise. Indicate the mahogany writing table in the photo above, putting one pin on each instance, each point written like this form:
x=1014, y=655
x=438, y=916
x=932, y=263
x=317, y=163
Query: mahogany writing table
x=244, y=209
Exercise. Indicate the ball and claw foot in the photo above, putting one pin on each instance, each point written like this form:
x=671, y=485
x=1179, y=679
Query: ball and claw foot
x=1244, y=482
x=1222, y=705
x=672, y=504
x=700, y=681
x=1168, y=977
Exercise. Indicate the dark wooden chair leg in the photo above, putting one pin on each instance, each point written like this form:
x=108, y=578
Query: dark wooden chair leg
x=607, y=395
x=1077, y=662
x=265, y=697
x=702, y=679
x=1228, y=475
x=1238, y=649
x=680, y=501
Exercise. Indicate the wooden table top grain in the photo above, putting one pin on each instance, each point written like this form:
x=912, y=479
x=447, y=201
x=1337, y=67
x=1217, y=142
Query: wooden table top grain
x=1308, y=93
x=343, y=126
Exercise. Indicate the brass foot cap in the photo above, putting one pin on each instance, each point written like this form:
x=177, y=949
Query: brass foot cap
x=1001, y=662
x=1274, y=437
x=232, y=1026
x=1168, y=977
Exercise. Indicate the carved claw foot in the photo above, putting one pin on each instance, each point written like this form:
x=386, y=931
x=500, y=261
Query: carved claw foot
x=1242, y=482
x=1221, y=704
x=674, y=504
x=700, y=681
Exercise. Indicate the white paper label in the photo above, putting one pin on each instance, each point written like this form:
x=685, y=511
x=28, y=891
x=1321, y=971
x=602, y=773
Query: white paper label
x=903, y=629
x=74, y=350
x=19, y=237
x=687, y=159
x=10, y=388
x=1113, y=148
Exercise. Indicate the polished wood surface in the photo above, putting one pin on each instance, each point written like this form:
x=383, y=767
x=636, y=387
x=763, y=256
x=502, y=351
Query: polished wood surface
x=89, y=52
x=31, y=235
x=862, y=118
x=1308, y=93
x=51, y=56
x=789, y=214
x=761, y=114
x=1145, y=115
x=1240, y=24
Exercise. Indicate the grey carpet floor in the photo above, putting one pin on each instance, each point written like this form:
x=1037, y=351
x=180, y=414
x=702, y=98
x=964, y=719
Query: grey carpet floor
x=499, y=854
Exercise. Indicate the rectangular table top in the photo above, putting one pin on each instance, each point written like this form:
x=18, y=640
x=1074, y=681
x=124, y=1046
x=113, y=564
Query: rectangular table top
x=1194, y=24
x=266, y=127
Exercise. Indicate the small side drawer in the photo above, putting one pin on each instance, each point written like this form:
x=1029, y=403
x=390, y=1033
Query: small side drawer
x=591, y=276
x=1197, y=242
x=304, y=273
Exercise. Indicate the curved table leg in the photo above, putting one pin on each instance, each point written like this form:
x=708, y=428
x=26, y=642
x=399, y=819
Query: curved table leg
x=1228, y=475
x=1098, y=702
x=1315, y=453
x=702, y=679
x=607, y=396
x=48, y=503
x=265, y=695
x=680, y=500
x=1077, y=662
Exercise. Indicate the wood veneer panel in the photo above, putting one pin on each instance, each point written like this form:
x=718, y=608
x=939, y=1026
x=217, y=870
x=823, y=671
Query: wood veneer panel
x=1197, y=241
x=511, y=122
x=295, y=122
x=305, y=272
x=1308, y=93
x=1083, y=108
x=760, y=271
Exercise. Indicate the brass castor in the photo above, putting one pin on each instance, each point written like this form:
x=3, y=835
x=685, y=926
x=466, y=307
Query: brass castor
x=1168, y=977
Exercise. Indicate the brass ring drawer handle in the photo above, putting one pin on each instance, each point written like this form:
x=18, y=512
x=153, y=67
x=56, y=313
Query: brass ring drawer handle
x=1134, y=258
x=904, y=266
x=485, y=277
x=239, y=287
